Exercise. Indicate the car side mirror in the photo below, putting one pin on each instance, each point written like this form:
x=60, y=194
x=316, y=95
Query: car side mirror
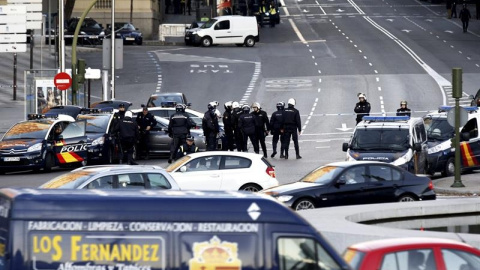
x=183, y=168
x=341, y=182
x=464, y=136
x=344, y=147
x=417, y=147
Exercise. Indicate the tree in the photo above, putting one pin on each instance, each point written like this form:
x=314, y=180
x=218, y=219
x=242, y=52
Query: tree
x=69, y=5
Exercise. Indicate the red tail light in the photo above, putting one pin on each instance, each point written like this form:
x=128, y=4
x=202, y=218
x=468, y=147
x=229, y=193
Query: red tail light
x=271, y=171
x=430, y=185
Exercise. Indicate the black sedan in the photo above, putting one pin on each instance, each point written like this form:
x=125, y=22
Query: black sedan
x=111, y=104
x=356, y=182
x=129, y=33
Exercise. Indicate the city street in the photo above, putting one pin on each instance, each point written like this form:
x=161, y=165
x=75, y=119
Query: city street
x=322, y=54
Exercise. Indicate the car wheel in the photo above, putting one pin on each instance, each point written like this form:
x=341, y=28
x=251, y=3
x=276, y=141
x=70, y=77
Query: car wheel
x=407, y=198
x=449, y=168
x=206, y=42
x=239, y=44
x=249, y=42
x=49, y=163
x=303, y=204
x=251, y=188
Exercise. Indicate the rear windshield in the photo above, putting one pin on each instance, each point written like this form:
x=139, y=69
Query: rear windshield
x=69, y=180
x=29, y=130
x=172, y=167
x=381, y=139
x=353, y=258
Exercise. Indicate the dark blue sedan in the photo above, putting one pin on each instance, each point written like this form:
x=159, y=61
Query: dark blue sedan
x=128, y=33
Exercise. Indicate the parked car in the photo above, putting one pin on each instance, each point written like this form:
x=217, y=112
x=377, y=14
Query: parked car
x=92, y=33
x=221, y=170
x=128, y=32
x=354, y=182
x=167, y=100
x=114, y=177
x=412, y=254
x=111, y=104
x=166, y=112
x=189, y=30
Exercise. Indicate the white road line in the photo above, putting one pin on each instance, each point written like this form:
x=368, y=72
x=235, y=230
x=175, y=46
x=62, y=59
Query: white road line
x=377, y=79
x=295, y=28
x=379, y=88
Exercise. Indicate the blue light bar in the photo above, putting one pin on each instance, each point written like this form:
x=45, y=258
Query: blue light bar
x=448, y=108
x=386, y=118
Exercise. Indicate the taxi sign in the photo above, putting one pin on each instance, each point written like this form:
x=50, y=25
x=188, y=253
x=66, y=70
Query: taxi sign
x=62, y=81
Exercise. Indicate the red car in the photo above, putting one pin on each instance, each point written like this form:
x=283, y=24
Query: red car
x=412, y=254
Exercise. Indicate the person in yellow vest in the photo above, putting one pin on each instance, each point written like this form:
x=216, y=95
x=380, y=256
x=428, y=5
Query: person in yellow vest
x=262, y=10
x=204, y=18
x=273, y=14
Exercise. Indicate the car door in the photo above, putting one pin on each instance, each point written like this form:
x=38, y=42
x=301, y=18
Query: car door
x=383, y=181
x=345, y=192
x=235, y=172
x=202, y=173
x=470, y=150
x=104, y=182
x=72, y=145
x=158, y=139
x=411, y=259
x=131, y=181
x=222, y=33
x=421, y=138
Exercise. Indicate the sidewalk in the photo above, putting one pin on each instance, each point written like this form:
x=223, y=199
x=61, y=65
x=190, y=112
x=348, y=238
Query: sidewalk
x=471, y=181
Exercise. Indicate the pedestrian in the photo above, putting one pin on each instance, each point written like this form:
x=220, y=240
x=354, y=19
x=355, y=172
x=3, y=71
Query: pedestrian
x=237, y=131
x=272, y=14
x=117, y=118
x=210, y=127
x=178, y=129
x=204, y=18
x=262, y=126
x=145, y=121
x=189, y=7
x=167, y=6
x=465, y=17
x=449, y=8
x=128, y=133
x=262, y=10
x=246, y=122
x=477, y=9
x=188, y=147
x=362, y=108
x=292, y=123
x=276, y=125
x=182, y=6
x=228, y=127
x=454, y=8
x=404, y=110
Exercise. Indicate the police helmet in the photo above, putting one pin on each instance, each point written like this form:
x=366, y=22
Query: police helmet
x=235, y=105
x=403, y=102
x=216, y=103
x=362, y=95
x=217, y=113
x=280, y=105
x=292, y=102
x=256, y=105
x=129, y=114
x=246, y=108
x=228, y=105
x=213, y=104
x=180, y=108
x=190, y=138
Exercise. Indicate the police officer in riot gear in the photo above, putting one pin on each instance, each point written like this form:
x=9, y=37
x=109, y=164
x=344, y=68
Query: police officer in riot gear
x=210, y=127
x=246, y=123
x=236, y=112
x=145, y=121
x=262, y=126
x=276, y=125
x=178, y=129
x=362, y=108
x=117, y=117
x=291, y=124
x=228, y=127
x=404, y=110
x=128, y=133
x=188, y=147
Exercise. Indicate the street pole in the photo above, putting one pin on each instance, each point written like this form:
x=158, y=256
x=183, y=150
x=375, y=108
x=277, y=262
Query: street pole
x=61, y=43
x=15, y=76
x=457, y=94
x=31, y=49
x=131, y=11
x=112, y=36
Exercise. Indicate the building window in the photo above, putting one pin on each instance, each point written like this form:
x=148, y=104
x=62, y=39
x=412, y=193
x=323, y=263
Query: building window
x=103, y=4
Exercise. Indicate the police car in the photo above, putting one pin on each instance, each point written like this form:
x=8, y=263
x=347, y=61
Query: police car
x=34, y=145
x=399, y=140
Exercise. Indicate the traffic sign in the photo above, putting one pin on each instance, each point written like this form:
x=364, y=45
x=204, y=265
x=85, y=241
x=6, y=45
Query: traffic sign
x=13, y=18
x=13, y=38
x=463, y=117
x=62, y=81
x=34, y=12
x=92, y=73
x=13, y=28
x=19, y=47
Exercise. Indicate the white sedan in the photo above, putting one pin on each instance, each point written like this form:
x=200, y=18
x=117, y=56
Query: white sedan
x=222, y=170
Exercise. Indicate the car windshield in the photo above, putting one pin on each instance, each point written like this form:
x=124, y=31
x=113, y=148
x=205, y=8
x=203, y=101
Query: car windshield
x=29, y=130
x=172, y=167
x=166, y=101
x=394, y=139
x=209, y=23
x=124, y=26
x=438, y=129
x=71, y=180
x=91, y=24
x=322, y=175
x=96, y=123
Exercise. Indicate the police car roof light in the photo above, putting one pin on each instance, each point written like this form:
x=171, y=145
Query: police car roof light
x=448, y=108
x=386, y=118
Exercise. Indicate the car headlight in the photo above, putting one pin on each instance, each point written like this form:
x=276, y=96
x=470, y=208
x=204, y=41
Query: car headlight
x=35, y=147
x=284, y=198
x=102, y=33
x=82, y=33
x=98, y=141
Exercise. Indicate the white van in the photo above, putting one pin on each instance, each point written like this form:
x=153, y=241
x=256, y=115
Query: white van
x=232, y=29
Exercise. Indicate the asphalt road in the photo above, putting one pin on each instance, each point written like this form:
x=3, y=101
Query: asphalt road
x=322, y=54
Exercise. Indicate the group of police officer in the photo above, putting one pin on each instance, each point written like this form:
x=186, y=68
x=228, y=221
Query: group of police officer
x=362, y=108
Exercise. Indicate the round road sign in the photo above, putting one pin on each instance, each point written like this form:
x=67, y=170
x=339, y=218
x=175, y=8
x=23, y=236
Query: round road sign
x=62, y=81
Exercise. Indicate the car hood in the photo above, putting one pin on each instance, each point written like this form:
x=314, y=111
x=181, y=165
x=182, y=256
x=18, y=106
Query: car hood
x=18, y=144
x=291, y=188
x=377, y=156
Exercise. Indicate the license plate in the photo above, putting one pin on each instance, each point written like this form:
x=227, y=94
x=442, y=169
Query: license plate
x=130, y=38
x=11, y=159
x=93, y=37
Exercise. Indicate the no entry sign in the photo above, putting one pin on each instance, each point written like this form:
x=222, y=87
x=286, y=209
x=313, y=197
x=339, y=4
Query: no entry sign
x=62, y=81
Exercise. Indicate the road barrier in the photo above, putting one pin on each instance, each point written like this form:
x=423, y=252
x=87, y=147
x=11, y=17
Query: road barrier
x=171, y=30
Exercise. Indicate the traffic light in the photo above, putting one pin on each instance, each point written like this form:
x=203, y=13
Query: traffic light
x=81, y=70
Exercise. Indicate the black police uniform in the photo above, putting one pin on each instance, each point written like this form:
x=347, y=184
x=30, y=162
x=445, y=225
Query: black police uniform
x=228, y=127
x=236, y=113
x=292, y=123
x=246, y=123
x=262, y=127
x=362, y=109
x=276, y=125
x=404, y=112
x=128, y=133
x=178, y=128
x=186, y=149
x=117, y=117
x=210, y=129
x=143, y=121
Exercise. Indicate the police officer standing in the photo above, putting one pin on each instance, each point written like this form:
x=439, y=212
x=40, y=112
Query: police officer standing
x=362, y=108
x=145, y=121
x=262, y=126
x=178, y=129
x=276, y=125
x=246, y=123
x=236, y=112
x=228, y=127
x=404, y=111
x=292, y=123
x=187, y=147
x=128, y=132
x=210, y=127
x=117, y=118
